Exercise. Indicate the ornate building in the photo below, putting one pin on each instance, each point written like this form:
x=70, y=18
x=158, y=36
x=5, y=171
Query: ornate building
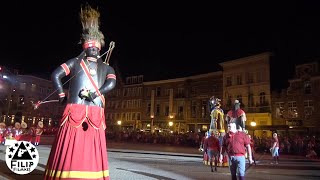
x=248, y=80
x=178, y=105
x=17, y=94
x=297, y=106
x=181, y=104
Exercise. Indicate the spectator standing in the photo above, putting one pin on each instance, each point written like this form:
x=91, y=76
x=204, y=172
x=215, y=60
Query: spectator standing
x=252, y=149
x=275, y=149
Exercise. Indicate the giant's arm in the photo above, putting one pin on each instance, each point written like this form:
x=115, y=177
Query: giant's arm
x=110, y=82
x=60, y=72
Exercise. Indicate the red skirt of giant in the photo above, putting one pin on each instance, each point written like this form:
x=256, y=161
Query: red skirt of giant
x=79, y=150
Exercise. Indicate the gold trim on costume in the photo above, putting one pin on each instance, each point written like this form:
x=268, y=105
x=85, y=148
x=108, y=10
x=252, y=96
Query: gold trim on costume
x=77, y=174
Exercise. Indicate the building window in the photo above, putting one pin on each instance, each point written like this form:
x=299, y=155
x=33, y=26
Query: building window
x=124, y=104
x=139, y=91
x=118, y=92
x=194, y=109
x=250, y=77
x=158, y=110
x=129, y=104
x=167, y=92
x=193, y=91
x=229, y=81
x=250, y=100
x=129, y=92
x=33, y=87
x=166, y=111
x=308, y=108
x=262, y=97
x=158, y=91
x=124, y=92
x=307, y=87
x=140, y=79
x=180, y=112
x=292, y=109
x=134, y=80
x=180, y=92
x=148, y=109
x=279, y=109
x=117, y=105
x=239, y=79
x=134, y=91
x=139, y=103
x=204, y=108
x=128, y=116
x=134, y=116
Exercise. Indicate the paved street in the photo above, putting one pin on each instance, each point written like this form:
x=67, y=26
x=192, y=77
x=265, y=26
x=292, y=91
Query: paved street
x=144, y=161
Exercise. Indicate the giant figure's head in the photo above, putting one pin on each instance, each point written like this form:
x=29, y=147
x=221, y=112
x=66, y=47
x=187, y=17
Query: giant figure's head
x=215, y=101
x=92, y=38
x=236, y=104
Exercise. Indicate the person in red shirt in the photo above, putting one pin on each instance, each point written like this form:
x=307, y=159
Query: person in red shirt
x=235, y=143
x=39, y=131
x=205, y=155
x=212, y=148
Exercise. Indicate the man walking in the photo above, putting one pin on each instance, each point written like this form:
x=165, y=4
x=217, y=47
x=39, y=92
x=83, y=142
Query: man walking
x=212, y=148
x=234, y=143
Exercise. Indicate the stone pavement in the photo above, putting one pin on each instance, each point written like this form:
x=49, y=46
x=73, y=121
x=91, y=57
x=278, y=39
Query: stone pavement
x=290, y=167
x=44, y=150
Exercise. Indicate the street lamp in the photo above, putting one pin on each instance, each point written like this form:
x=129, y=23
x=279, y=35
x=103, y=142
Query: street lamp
x=253, y=124
x=170, y=125
x=151, y=116
x=119, y=124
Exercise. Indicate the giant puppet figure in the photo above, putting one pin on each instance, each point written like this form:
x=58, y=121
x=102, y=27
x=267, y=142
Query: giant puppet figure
x=79, y=150
x=217, y=123
x=237, y=115
x=217, y=115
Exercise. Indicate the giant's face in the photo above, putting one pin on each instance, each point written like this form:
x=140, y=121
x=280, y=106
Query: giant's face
x=92, y=52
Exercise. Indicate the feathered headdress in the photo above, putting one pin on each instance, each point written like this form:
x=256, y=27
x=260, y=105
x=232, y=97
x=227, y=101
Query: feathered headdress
x=91, y=35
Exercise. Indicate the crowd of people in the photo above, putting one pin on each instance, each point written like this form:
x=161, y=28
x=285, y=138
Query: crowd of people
x=304, y=145
x=21, y=132
x=297, y=144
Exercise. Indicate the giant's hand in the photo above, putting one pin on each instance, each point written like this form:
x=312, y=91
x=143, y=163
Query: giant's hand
x=87, y=95
x=62, y=98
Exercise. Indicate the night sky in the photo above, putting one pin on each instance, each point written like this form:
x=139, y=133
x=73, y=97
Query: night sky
x=162, y=39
